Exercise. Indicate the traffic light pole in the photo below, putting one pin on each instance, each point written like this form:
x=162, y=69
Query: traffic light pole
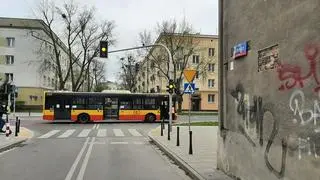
x=169, y=75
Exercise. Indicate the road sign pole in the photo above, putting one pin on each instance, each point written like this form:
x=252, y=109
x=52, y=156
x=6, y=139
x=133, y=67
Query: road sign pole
x=189, y=110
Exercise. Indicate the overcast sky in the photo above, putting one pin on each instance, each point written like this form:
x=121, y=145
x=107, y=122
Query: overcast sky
x=132, y=17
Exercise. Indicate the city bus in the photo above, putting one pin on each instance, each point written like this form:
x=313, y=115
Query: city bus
x=84, y=107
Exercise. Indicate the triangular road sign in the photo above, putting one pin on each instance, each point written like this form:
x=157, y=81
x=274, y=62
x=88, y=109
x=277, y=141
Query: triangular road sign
x=189, y=74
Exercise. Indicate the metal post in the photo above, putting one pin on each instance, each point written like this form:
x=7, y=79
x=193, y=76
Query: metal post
x=7, y=126
x=178, y=139
x=169, y=132
x=190, y=132
x=14, y=104
x=162, y=127
x=189, y=111
x=17, y=127
x=190, y=143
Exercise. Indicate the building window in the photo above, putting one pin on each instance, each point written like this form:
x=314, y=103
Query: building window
x=9, y=59
x=44, y=80
x=211, y=52
x=49, y=81
x=179, y=66
x=210, y=83
x=211, y=98
x=10, y=41
x=211, y=67
x=195, y=59
x=9, y=76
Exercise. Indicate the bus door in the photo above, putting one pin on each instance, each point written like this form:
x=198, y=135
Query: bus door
x=62, y=108
x=111, y=108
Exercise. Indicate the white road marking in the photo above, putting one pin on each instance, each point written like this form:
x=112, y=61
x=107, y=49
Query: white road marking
x=102, y=133
x=119, y=143
x=118, y=132
x=138, y=143
x=94, y=126
x=134, y=132
x=85, y=161
x=49, y=134
x=97, y=127
x=68, y=133
x=75, y=163
x=84, y=133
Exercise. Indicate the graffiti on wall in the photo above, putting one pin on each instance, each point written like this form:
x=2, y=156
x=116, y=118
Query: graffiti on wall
x=253, y=114
x=268, y=58
x=308, y=141
x=293, y=76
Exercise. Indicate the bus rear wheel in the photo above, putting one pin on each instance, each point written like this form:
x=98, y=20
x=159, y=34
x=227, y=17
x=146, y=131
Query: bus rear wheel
x=150, y=118
x=83, y=118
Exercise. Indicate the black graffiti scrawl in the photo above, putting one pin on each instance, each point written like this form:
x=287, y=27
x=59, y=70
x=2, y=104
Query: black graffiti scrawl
x=255, y=114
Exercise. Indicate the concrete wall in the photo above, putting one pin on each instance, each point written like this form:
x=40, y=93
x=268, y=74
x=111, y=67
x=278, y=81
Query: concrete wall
x=271, y=96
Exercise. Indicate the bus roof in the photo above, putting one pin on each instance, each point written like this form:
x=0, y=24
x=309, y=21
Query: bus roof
x=104, y=93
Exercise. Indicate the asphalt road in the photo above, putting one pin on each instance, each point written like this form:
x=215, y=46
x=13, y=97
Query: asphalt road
x=70, y=151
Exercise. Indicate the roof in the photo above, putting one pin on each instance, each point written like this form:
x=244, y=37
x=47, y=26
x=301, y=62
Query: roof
x=197, y=35
x=23, y=23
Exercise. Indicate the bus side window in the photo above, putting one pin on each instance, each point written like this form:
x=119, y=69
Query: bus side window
x=79, y=102
x=95, y=103
x=137, y=103
x=150, y=103
x=125, y=105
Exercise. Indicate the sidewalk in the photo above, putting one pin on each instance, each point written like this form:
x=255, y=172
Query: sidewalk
x=24, y=115
x=13, y=141
x=203, y=162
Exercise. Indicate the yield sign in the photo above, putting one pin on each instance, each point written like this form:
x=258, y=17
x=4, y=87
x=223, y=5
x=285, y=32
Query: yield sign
x=189, y=74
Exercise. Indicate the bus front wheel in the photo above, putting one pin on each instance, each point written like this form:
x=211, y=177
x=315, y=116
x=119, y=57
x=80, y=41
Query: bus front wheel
x=150, y=118
x=83, y=118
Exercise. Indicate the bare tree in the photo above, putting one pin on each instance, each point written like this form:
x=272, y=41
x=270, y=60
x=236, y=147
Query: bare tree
x=47, y=14
x=182, y=44
x=128, y=73
x=82, y=35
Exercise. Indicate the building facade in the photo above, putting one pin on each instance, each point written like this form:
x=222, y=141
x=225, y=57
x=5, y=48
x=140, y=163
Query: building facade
x=269, y=118
x=24, y=59
x=202, y=57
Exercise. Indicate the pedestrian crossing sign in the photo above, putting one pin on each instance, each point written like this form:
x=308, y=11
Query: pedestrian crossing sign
x=189, y=88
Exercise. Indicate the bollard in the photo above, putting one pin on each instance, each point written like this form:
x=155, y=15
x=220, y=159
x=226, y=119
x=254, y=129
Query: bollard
x=17, y=127
x=178, y=139
x=190, y=143
x=162, y=128
x=169, y=132
x=8, y=131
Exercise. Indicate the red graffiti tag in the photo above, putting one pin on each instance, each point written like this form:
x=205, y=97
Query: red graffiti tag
x=291, y=75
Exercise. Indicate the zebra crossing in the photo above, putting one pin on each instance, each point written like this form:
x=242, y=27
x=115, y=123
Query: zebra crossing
x=93, y=132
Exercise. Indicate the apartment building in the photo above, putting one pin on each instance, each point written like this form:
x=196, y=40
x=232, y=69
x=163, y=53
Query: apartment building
x=204, y=59
x=24, y=59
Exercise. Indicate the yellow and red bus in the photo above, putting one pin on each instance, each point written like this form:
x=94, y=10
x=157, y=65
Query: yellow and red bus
x=86, y=107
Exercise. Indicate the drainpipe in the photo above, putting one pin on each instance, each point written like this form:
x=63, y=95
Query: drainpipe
x=221, y=68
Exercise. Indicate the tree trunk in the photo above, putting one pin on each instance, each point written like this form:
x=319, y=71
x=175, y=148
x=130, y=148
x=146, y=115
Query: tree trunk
x=180, y=99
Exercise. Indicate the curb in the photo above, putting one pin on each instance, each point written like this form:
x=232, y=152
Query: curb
x=186, y=167
x=12, y=145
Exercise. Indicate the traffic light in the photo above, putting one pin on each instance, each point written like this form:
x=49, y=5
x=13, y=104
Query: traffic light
x=171, y=87
x=104, y=49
